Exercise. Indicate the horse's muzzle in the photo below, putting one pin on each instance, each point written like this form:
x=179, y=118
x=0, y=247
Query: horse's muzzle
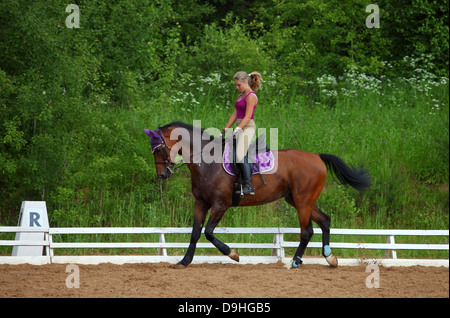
x=164, y=175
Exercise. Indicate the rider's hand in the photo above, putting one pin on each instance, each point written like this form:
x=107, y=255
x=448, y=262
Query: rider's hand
x=224, y=132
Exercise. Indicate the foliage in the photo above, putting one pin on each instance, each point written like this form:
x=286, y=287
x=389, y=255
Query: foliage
x=73, y=102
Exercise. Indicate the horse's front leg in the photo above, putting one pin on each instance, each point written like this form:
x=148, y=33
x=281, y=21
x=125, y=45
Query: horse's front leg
x=214, y=219
x=200, y=210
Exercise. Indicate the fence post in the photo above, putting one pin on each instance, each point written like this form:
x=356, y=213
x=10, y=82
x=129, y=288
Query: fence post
x=50, y=248
x=162, y=239
x=278, y=251
x=47, y=248
x=390, y=240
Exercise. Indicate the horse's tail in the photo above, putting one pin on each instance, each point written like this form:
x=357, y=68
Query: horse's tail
x=355, y=177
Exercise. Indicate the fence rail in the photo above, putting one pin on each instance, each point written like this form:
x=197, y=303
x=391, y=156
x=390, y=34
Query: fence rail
x=278, y=245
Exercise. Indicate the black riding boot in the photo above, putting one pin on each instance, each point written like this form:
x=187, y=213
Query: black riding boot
x=246, y=173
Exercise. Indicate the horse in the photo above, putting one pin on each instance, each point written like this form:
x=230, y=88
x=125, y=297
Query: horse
x=299, y=179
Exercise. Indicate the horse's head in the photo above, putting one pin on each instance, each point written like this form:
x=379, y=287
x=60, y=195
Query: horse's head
x=161, y=152
x=177, y=138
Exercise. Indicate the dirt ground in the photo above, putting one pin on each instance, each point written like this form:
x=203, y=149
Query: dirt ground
x=220, y=280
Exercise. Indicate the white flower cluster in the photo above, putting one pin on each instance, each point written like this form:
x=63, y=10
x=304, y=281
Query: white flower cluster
x=354, y=82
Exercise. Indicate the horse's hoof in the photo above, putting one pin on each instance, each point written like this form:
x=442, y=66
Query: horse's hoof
x=179, y=266
x=296, y=262
x=332, y=260
x=234, y=255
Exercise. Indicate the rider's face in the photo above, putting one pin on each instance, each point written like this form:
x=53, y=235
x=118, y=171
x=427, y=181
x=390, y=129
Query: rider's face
x=241, y=86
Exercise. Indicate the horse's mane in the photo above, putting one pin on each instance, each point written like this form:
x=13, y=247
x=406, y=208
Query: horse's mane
x=188, y=127
x=176, y=124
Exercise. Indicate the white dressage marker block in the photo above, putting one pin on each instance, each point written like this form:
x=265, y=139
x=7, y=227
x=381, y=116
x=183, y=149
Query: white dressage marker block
x=33, y=214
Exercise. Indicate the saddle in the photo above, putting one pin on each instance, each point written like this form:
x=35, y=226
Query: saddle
x=259, y=157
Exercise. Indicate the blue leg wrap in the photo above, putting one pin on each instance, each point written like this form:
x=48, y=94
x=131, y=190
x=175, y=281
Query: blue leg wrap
x=326, y=250
x=296, y=262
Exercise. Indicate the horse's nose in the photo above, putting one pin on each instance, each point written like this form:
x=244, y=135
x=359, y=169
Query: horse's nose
x=164, y=174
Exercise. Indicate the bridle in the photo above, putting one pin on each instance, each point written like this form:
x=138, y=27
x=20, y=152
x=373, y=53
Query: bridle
x=155, y=144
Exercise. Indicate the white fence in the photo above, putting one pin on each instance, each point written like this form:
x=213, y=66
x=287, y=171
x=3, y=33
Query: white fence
x=278, y=246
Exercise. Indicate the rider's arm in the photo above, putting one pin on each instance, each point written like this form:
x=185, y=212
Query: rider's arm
x=231, y=120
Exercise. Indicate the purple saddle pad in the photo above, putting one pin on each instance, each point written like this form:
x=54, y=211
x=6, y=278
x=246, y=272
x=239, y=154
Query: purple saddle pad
x=264, y=160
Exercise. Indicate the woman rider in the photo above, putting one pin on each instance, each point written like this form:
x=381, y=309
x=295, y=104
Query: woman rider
x=248, y=85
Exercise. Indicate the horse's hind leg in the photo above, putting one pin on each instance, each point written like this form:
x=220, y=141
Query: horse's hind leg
x=305, y=236
x=304, y=217
x=323, y=221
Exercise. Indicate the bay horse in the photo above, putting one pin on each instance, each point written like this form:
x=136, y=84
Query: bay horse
x=299, y=179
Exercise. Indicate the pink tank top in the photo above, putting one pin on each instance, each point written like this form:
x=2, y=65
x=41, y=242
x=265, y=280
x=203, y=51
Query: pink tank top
x=241, y=106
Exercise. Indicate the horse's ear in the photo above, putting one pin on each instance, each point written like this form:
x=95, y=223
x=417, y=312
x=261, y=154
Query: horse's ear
x=155, y=140
x=151, y=133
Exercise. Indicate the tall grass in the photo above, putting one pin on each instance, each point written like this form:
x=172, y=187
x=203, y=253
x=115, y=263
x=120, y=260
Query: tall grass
x=397, y=129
